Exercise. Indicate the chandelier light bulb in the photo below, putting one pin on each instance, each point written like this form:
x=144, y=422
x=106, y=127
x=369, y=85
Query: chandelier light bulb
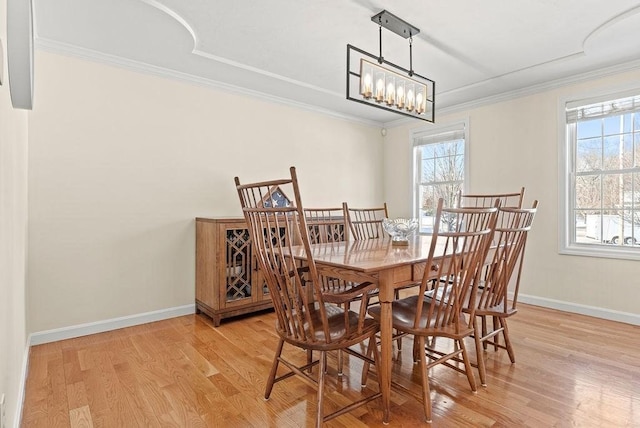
x=410, y=98
x=391, y=91
x=419, y=103
x=400, y=94
x=379, y=87
x=367, y=86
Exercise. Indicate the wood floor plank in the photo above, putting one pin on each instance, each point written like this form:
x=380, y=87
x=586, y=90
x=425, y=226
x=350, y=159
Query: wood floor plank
x=57, y=402
x=81, y=417
x=570, y=370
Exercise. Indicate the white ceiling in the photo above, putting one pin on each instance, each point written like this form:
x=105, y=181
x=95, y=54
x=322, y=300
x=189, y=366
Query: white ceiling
x=295, y=50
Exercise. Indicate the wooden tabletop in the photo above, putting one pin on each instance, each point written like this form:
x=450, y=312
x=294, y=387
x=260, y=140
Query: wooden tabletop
x=371, y=255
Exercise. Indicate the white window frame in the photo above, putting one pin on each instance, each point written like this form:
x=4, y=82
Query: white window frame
x=434, y=132
x=566, y=193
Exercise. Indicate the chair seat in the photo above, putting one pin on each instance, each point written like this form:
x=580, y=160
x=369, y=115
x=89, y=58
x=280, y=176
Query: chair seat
x=403, y=316
x=496, y=311
x=340, y=332
x=499, y=310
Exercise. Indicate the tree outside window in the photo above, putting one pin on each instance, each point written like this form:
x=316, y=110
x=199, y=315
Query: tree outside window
x=440, y=165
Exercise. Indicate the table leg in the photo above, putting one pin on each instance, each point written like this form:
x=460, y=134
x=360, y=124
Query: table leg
x=386, y=340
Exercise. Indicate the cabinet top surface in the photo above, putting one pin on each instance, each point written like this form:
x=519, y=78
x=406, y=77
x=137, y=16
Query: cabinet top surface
x=221, y=219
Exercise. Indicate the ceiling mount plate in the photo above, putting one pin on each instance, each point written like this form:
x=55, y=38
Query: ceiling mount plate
x=392, y=23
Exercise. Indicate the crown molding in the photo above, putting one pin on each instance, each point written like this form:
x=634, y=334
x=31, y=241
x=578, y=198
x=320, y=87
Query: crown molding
x=141, y=67
x=543, y=87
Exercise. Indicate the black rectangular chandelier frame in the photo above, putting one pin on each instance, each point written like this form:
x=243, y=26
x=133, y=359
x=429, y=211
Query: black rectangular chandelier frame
x=429, y=114
x=394, y=88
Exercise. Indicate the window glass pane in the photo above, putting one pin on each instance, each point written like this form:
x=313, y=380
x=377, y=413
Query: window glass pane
x=627, y=151
x=612, y=194
x=427, y=151
x=588, y=192
x=607, y=228
x=618, y=152
x=636, y=121
x=427, y=208
x=589, y=128
x=589, y=154
x=628, y=123
x=617, y=124
x=588, y=226
x=428, y=170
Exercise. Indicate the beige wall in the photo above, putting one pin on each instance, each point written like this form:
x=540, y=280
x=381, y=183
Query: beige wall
x=13, y=230
x=122, y=162
x=513, y=144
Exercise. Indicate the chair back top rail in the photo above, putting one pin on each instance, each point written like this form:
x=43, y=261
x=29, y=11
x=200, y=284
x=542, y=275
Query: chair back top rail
x=486, y=200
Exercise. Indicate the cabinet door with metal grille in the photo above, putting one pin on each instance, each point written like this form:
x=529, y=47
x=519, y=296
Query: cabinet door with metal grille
x=228, y=282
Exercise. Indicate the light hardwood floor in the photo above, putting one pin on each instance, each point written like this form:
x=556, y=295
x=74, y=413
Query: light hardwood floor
x=570, y=370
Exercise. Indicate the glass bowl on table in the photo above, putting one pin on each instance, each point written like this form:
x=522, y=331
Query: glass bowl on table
x=400, y=230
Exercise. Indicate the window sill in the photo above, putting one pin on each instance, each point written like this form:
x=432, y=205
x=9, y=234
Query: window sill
x=603, y=251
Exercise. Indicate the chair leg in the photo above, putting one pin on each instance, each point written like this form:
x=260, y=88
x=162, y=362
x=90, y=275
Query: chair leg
x=484, y=331
x=373, y=344
x=399, y=340
x=416, y=350
x=274, y=370
x=479, y=353
x=309, y=360
x=371, y=348
x=321, y=375
x=340, y=362
x=505, y=333
x=426, y=392
x=496, y=338
x=467, y=366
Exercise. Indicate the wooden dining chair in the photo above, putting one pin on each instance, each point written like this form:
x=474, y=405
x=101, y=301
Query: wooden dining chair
x=454, y=282
x=307, y=317
x=512, y=200
x=366, y=223
x=326, y=225
x=329, y=225
x=505, y=258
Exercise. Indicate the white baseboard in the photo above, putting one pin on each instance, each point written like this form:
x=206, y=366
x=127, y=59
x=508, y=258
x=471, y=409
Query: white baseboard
x=577, y=308
x=17, y=420
x=107, y=325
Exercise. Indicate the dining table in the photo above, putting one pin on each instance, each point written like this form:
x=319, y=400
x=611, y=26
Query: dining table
x=391, y=267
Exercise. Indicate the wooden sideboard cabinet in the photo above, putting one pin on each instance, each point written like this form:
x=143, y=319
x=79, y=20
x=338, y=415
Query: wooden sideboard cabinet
x=228, y=282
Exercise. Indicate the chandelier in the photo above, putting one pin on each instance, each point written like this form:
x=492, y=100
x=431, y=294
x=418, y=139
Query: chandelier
x=374, y=81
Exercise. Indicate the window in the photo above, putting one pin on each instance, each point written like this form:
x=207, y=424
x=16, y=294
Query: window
x=439, y=168
x=602, y=177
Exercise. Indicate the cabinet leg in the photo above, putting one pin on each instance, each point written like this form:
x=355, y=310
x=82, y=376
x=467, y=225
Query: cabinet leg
x=216, y=321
